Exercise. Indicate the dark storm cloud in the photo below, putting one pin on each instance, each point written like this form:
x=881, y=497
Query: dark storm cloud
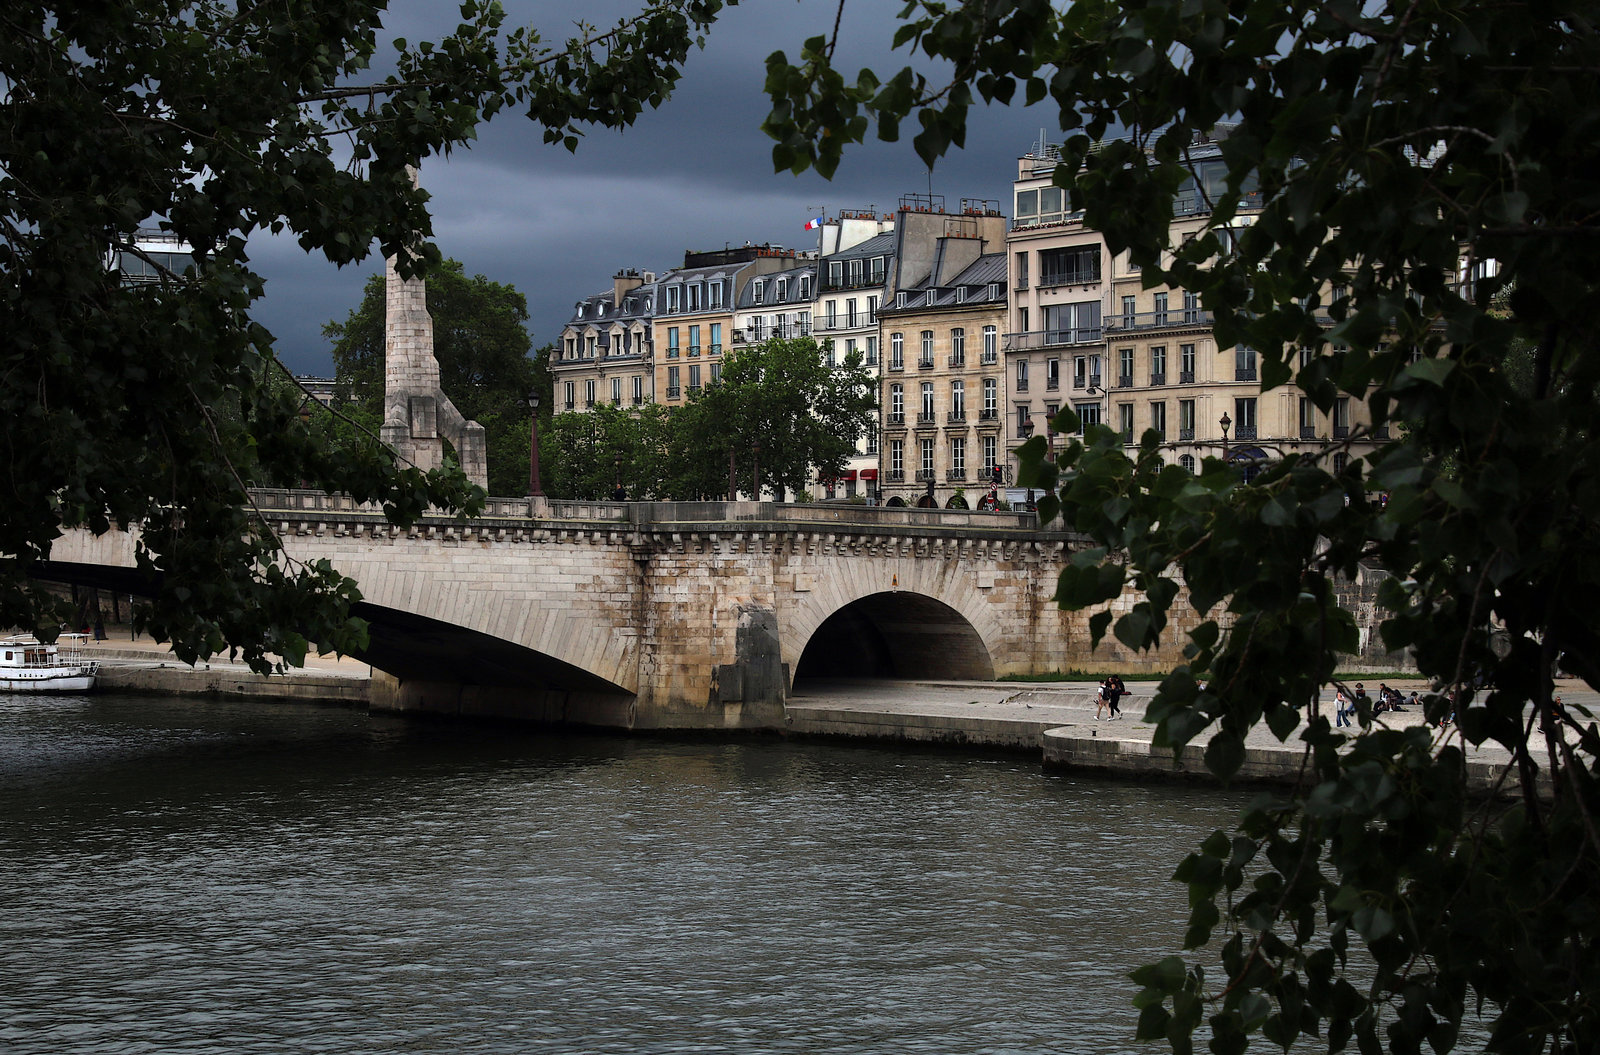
x=696, y=174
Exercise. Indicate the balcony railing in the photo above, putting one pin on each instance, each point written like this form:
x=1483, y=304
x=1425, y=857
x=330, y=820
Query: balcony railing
x=588, y=404
x=924, y=475
x=955, y=475
x=1185, y=434
x=897, y=365
x=1381, y=432
x=694, y=390
x=896, y=420
x=638, y=401
x=1092, y=380
x=713, y=349
x=925, y=363
x=956, y=359
x=1341, y=432
x=1154, y=320
x=956, y=416
x=1051, y=384
x=1245, y=432
x=897, y=476
x=694, y=351
x=1158, y=379
x=1308, y=432
x=988, y=358
x=1022, y=342
x=1185, y=377
x=1086, y=276
x=1022, y=384
x=927, y=417
x=1124, y=380
x=570, y=404
x=673, y=392
x=1244, y=373
x=990, y=414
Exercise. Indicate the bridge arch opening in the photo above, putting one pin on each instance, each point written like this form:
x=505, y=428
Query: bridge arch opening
x=895, y=635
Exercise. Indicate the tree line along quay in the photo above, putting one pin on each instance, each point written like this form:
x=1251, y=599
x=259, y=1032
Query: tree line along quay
x=1418, y=267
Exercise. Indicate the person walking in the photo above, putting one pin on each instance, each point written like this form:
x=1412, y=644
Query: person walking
x=1115, y=690
x=1341, y=709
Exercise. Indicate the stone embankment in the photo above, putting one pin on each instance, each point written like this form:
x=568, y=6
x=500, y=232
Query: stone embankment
x=1055, y=722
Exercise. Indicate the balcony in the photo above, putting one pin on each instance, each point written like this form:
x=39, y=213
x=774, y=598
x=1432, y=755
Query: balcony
x=1244, y=373
x=896, y=421
x=1156, y=380
x=956, y=359
x=927, y=417
x=955, y=475
x=990, y=414
x=1245, y=432
x=638, y=401
x=1341, y=432
x=1185, y=377
x=713, y=349
x=1084, y=276
x=672, y=353
x=1381, y=432
x=588, y=404
x=988, y=358
x=694, y=351
x=897, y=365
x=1308, y=432
x=1124, y=380
x=956, y=417
x=1185, y=435
x=1052, y=384
x=925, y=363
x=569, y=405
x=1022, y=384
x=1155, y=320
x=694, y=390
x=1034, y=339
x=674, y=392
x=896, y=476
x=925, y=475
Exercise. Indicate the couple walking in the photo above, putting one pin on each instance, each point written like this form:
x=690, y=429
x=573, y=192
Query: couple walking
x=1111, y=690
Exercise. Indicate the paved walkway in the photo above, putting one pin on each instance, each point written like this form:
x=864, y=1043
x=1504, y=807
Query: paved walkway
x=119, y=650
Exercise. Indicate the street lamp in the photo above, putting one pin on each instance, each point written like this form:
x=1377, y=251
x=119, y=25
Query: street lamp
x=1226, y=423
x=532, y=402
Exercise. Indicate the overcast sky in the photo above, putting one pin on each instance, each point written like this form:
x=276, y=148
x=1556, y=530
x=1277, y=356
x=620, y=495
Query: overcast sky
x=695, y=174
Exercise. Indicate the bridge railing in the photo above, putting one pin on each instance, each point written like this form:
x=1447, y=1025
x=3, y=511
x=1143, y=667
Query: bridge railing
x=311, y=504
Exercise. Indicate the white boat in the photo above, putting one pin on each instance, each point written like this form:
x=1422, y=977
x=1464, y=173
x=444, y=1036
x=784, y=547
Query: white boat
x=29, y=665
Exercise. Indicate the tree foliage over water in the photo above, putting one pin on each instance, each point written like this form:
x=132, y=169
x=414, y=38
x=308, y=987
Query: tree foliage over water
x=1397, y=148
x=153, y=405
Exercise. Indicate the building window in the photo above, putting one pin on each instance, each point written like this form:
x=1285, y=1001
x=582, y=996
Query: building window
x=1244, y=418
x=927, y=349
x=958, y=347
x=694, y=341
x=927, y=402
x=1076, y=266
x=897, y=404
x=572, y=394
x=1052, y=374
x=958, y=401
x=1191, y=307
x=616, y=391
x=1187, y=461
x=638, y=389
x=830, y=312
x=716, y=372
x=1159, y=316
x=850, y=312
x=897, y=459
x=857, y=269
x=835, y=274
x=1185, y=419
x=673, y=293
x=1341, y=418
x=1308, y=419
x=991, y=397
x=1185, y=364
x=588, y=393
x=991, y=454
x=805, y=287
x=695, y=292
x=878, y=270
x=1088, y=414
x=1129, y=312
x=758, y=292
x=1125, y=421
x=1244, y=363
x=1022, y=270
x=783, y=290
x=897, y=351
x=927, y=458
x=958, y=457
x=672, y=342
x=991, y=345
x=694, y=378
x=872, y=351
x=1125, y=368
x=716, y=338
x=1022, y=375
x=1086, y=371
x=673, y=391
x=1158, y=419
x=715, y=291
x=1072, y=323
x=1158, y=364
x=1024, y=423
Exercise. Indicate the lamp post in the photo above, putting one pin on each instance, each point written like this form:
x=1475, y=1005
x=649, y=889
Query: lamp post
x=1226, y=423
x=532, y=401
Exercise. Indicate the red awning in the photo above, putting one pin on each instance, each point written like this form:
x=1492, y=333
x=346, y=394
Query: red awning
x=869, y=474
x=849, y=474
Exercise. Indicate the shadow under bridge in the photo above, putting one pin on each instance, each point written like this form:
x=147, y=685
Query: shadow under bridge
x=896, y=635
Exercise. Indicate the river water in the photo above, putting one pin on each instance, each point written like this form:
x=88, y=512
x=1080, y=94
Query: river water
x=242, y=877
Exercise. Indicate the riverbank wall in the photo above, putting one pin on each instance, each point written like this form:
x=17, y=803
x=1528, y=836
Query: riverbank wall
x=154, y=671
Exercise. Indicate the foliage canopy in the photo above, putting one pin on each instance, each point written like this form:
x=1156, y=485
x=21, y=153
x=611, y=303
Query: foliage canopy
x=1429, y=204
x=150, y=404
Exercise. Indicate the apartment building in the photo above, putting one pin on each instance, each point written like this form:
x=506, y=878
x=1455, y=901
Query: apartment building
x=853, y=278
x=694, y=320
x=939, y=332
x=606, y=349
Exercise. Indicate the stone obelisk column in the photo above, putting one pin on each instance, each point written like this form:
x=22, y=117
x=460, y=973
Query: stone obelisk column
x=417, y=416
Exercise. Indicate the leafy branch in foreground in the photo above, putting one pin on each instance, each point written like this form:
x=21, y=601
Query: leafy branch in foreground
x=150, y=405
x=1429, y=221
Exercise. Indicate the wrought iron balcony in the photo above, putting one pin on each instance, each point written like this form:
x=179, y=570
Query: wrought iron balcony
x=1341, y=432
x=1033, y=339
x=925, y=363
x=927, y=417
x=895, y=420
x=1185, y=377
x=1022, y=384
x=1155, y=320
x=924, y=475
x=989, y=414
x=955, y=475
x=896, y=476
x=1124, y=380
x=1244, y=373
x=1185, y=434
x=988, y=358
x=956, y=359
x=1157, y=380
x=957, y=416
x=1245, y=432
x=1308, y=432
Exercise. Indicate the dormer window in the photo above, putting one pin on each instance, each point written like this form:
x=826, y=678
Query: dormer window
x=783, y=289
x=900, y=299
x=961, y=294
x=805, y=287
x=673, y=293
x=580, y=311
x=758, y=290
x=600, y=310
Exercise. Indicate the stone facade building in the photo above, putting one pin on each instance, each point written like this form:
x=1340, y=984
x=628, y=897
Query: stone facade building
x=606, y=351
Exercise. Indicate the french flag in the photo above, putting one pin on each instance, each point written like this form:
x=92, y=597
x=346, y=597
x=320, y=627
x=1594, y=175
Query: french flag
x=814, y=225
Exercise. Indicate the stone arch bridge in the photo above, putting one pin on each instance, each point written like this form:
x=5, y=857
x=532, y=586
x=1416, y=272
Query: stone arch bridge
x=674, y=615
